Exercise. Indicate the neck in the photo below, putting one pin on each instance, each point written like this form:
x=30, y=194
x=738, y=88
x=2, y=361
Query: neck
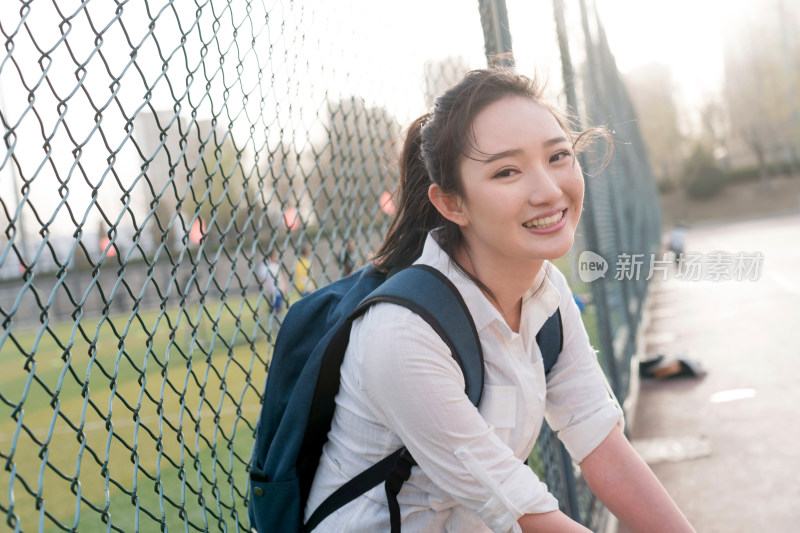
x=507, y=280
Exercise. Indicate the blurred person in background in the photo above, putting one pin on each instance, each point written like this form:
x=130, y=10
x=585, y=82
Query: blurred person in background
x=273, y=280
x=303, y=282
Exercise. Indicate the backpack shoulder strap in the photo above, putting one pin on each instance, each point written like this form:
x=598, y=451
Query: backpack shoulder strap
x=551, y=340
x=429, y=293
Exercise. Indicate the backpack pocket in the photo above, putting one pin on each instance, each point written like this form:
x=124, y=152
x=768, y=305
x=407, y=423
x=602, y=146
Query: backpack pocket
x=275, y=505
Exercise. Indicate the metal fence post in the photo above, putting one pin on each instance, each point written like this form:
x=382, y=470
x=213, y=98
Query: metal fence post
x=496, y=32
x=599, y=289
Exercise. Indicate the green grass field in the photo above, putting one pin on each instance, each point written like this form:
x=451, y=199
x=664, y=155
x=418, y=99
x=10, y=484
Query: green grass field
x=152, y=414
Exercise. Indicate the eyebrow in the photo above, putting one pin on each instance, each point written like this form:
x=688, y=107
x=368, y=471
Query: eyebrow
x=500, y=155
x=517, y=151
x=554, y=140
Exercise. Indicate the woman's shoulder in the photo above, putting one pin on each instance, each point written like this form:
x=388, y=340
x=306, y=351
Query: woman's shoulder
x=386, y=329
x=390, y=341
x=388, y=320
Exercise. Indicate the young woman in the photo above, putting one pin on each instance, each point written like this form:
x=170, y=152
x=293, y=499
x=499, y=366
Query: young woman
x=490, y=192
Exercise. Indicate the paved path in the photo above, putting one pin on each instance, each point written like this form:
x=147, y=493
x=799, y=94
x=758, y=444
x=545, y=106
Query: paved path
x=743, y=418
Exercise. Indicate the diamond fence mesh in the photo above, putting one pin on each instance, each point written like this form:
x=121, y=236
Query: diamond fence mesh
x=175, y=174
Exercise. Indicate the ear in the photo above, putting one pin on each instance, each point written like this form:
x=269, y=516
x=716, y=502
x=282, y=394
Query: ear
x=448, y=205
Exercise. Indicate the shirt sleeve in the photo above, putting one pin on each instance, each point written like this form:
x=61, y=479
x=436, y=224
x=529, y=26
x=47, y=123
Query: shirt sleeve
x=417, y=390
x=580, y=405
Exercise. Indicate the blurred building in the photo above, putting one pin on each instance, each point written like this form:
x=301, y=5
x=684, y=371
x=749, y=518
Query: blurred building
x=441, y=74
x=355, y=165
x=188, y=166
x=159, y=137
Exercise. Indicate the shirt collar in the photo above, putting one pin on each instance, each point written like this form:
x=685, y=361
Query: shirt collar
x=539, y=302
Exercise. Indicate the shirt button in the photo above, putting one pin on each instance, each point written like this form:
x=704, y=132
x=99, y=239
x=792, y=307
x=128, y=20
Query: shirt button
x=461, y=454
x=258, y=491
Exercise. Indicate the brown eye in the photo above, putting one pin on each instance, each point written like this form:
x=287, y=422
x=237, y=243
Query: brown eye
x=505, y=173
x=560, y=156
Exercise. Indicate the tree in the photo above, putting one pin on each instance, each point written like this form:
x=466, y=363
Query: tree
x=701, y=175
x=762, y=72
x=714, y=127
x=652, y=90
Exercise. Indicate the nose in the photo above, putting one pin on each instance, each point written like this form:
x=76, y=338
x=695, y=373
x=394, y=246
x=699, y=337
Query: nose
x=544, y=187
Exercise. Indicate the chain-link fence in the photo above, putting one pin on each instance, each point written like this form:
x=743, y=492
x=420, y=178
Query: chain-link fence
x=176, y=173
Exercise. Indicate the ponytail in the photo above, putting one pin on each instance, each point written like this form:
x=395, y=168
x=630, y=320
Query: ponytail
x=416, y=215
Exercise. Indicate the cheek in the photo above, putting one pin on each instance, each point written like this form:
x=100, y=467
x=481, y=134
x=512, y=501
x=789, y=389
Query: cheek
x=577, y=184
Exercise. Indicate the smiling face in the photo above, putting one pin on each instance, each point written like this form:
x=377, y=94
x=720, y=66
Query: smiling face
x=522, y=189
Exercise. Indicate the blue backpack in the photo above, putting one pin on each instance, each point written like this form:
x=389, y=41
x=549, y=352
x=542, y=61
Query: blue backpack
x=303, y=381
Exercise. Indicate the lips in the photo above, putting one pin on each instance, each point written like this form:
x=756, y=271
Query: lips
x=544, y=222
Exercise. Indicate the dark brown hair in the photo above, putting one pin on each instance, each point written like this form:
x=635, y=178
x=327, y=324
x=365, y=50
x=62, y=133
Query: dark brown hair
x=432, y=152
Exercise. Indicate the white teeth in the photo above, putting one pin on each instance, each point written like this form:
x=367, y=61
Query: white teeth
x=545, y=222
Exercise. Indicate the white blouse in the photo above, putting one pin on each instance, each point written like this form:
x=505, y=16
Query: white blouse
x=400, y=386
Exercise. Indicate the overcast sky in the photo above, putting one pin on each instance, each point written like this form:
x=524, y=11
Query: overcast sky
x=682, y=34
x=327, y=50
